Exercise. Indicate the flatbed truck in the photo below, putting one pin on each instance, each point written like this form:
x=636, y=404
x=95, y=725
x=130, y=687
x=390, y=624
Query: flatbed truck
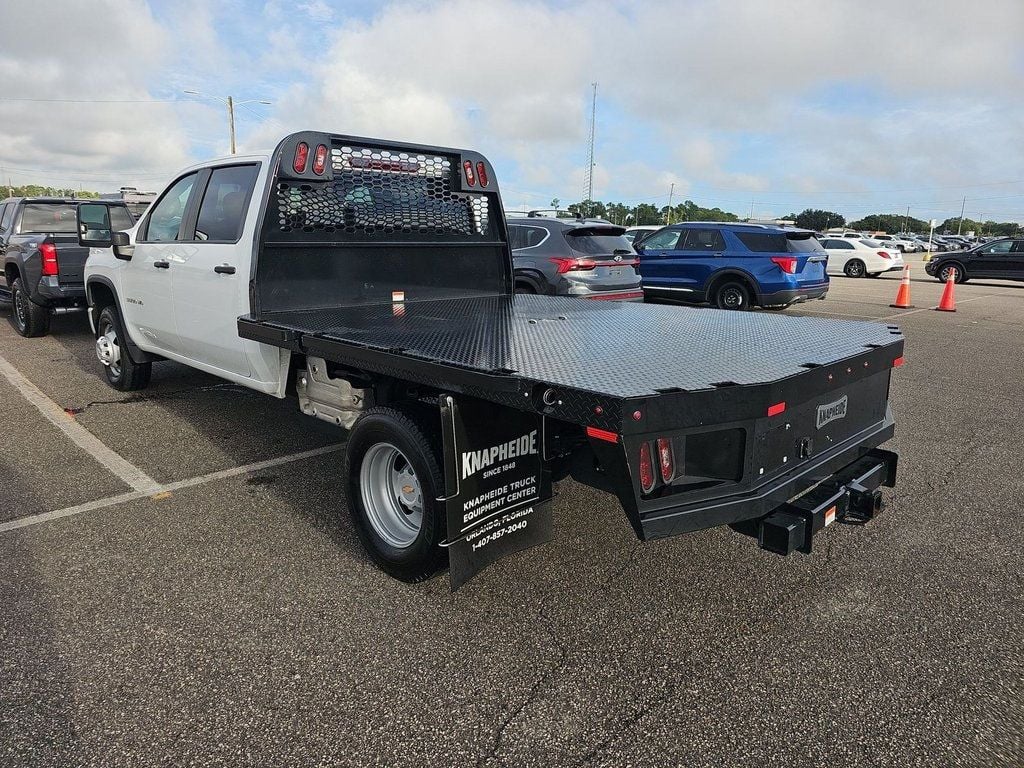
x=373, y=281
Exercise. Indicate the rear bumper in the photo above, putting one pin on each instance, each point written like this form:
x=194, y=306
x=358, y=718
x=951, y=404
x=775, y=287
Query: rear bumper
x=634, y=295
x=794, y=295
x=51, y=293
x=831, y=468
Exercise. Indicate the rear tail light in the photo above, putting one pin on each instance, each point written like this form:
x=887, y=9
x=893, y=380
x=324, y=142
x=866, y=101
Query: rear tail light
x=646, y=468
x=467, y=166
x=320, y=159
x=666, y=460
x=775, y=410
x=48, y=252
x=572, y=265
x=786, y=263
x=884, y=255
x=301, y=157
x=481, y=174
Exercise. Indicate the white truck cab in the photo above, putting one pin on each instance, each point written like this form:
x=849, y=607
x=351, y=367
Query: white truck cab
x=182, y=279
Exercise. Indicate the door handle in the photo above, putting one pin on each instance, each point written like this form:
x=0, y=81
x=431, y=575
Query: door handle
x=161, y=264
x=224, y=269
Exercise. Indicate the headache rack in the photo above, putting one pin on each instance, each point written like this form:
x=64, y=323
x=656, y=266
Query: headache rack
x=353, y=221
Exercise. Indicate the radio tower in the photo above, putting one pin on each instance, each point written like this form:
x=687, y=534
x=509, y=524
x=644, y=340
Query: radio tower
x=588, y=177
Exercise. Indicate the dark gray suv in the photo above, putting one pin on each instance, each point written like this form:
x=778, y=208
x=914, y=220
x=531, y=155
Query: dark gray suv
x=573, y=257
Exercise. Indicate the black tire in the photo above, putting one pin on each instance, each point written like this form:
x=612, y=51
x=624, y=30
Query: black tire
x=125, y=374
x=525, y=288
x=855, y=268
x=959, y=275
x=28, y=318
x=417, y=438
x=732, y=294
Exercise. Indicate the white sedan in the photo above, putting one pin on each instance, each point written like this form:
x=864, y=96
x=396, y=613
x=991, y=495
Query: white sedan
x=857, y=258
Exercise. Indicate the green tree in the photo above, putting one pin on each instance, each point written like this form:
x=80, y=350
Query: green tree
x=890, y=222
x=817, y=219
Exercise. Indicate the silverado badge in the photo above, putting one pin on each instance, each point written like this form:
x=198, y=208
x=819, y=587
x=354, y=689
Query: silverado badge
x=831, y=411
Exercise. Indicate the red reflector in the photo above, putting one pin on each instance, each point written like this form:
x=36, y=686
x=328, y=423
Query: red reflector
x=666, y=460
x=786, y=263
x=897, y=362
x=48, y=253
x=775, y=410
x=319, y=159
x=646, y=468
x=602, y=434
x=301, y=157
x=566, y=264
x=481, y=173
x=467, y=166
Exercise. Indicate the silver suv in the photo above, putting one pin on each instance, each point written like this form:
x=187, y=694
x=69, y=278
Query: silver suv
x=573, y=257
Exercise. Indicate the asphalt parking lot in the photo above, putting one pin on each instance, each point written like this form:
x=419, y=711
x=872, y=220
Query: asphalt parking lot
x=206, y=602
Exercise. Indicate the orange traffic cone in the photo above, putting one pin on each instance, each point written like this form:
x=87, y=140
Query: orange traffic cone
x=948, y=302
x=903, y=294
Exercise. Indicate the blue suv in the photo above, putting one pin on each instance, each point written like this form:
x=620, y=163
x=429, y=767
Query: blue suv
x=733, y=266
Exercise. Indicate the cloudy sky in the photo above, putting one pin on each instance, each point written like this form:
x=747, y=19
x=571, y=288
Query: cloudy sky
x=853, y=105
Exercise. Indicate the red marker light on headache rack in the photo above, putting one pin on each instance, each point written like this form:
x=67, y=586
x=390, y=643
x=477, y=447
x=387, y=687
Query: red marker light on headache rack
x=775, y=410
x=301, y=157
x=481, y=174
x=467, y=166
x=320, y=159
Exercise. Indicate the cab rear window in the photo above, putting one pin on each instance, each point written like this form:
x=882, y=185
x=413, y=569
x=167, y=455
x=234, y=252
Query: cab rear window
x=44, y=218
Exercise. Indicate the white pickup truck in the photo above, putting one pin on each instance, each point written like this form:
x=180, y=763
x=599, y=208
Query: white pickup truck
x=373, y=280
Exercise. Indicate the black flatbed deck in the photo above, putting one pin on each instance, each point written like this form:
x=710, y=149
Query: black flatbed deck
x=500, y=347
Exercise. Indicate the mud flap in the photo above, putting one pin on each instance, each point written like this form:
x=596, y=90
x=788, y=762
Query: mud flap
x=497, y=487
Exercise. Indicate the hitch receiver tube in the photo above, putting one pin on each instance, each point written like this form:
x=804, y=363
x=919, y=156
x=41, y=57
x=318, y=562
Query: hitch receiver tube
x=851, y=496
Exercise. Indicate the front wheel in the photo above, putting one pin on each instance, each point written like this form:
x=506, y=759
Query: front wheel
x=952, y=269
x=393, y=468
x=30, y=320
x=855, y=268
x=121, y=371
x=732, y=295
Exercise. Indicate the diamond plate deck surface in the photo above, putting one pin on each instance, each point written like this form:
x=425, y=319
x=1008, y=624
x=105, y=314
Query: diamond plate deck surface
x=617, y=349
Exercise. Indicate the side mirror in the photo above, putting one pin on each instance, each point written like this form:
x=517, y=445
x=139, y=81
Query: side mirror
x=123, y=248
x=93, y=221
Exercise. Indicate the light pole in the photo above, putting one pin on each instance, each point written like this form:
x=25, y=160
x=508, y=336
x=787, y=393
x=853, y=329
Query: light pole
x=231, y=110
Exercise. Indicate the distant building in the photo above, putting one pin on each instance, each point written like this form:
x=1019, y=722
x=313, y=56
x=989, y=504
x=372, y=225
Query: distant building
x=137, y=202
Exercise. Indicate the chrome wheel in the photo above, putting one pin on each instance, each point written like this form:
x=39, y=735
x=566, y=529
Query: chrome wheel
x=108, y=350
x=392, y=495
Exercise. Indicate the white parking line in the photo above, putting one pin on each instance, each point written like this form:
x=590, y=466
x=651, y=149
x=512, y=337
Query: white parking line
x=111, y=501
x=132, y=476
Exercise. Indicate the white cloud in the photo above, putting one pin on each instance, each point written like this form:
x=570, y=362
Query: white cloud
x=98, y=50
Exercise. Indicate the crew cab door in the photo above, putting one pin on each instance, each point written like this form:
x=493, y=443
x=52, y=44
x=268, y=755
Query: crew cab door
x=210, y=279
x=147, y=301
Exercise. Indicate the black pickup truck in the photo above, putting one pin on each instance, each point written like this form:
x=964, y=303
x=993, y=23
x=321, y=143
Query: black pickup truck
x=43, y=262
x=377, y=279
